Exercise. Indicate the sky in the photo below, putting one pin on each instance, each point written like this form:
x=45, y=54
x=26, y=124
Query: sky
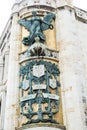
x=6, y=5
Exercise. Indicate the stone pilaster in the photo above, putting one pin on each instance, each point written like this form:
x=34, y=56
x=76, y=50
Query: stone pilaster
x=1, y=68
x=11, y=119
x=6, y=57
x=3, y=101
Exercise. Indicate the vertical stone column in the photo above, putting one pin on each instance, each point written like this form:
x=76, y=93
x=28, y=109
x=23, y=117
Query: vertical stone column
x=6, y=56
x=11, y=120
x=3, y=102
x=70, y=68
x=1, y=68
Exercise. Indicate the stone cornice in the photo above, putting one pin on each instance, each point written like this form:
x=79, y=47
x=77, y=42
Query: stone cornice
x=80, y=14
x=27, y=9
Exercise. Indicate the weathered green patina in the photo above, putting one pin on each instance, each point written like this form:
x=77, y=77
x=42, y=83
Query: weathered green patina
x=38, y=78
x=36, y=26
x=39, y=91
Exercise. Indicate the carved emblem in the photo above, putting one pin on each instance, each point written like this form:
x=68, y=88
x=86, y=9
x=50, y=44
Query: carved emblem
x=53, y=83
x=38, y=70
x=25, y=84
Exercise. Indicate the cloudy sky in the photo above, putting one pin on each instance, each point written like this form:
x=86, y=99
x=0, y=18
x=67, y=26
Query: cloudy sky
x=5, y=10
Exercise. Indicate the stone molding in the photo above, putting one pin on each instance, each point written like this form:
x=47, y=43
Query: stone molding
x=24, y=11
x=61, y=127
x=17, y=7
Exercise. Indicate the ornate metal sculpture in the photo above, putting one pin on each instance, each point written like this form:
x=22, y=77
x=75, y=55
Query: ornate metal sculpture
x=39, y=99
x=39, y=79
x=37, y=49
x=36, y=26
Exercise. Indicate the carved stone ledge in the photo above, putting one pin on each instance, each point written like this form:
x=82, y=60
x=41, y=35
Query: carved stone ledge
x=54, y=126
x=39, y=57
x=48, y=55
